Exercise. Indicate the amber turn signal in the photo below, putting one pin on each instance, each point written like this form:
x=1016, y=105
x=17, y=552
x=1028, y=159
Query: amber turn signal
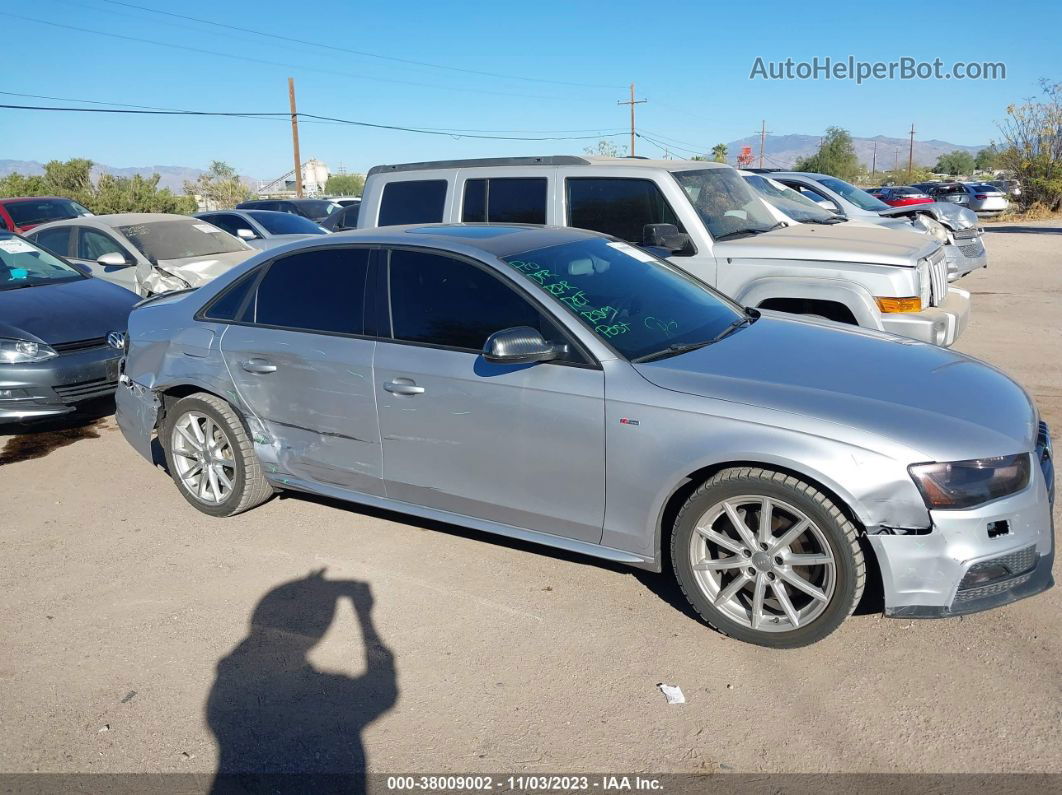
x=913, y=304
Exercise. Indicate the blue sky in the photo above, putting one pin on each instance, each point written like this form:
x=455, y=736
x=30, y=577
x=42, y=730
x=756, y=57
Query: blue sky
x=691, y=60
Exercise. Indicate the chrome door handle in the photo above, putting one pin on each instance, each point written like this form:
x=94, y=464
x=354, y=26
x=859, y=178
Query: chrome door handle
x=403, y=386
x=261, y=366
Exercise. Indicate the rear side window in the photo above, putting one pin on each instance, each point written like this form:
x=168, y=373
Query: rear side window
x=229, y=304
x=506, y=200
x=320, y=290
x=618, y=207
x=443, y=301
x=413, y=202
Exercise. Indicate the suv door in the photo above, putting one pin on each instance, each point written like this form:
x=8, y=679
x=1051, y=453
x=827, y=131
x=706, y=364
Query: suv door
x=91, y=244
x=301, y=360
x=521, y=445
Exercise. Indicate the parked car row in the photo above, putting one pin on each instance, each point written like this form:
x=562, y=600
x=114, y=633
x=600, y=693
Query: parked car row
x=983, y=198
x=572, y=306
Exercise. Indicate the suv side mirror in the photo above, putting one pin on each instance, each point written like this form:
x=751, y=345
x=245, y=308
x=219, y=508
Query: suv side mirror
x=245, y=234
x=665, y=236
x=520, y=345
x=113, y=259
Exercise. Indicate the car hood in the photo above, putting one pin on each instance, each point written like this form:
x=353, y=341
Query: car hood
x=947, y=213
x=832, y=243
x=66, y=311
x=197, y=271
x=939, y=404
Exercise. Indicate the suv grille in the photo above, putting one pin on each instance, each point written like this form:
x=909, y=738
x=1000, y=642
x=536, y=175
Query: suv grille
x=80, y=345
x=938, y=277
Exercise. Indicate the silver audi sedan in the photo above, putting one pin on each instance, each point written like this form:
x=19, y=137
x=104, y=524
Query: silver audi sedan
x=564, y=387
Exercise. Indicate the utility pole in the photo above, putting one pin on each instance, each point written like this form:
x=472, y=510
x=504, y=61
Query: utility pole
x=910, y=155
x=763, y=137
x=632, y=102
x=874, y=162
x=295, y=138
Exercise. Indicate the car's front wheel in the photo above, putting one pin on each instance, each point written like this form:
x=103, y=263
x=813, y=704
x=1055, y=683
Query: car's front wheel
x=767, y=558
x=211, y=457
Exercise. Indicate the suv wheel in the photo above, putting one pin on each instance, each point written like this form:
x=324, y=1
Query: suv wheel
x=211, y=457
x=766, y=558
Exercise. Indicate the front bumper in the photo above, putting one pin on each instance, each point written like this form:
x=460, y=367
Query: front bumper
x=935, y=575
x=55, y=387
x=964, y=256
x=940, y=325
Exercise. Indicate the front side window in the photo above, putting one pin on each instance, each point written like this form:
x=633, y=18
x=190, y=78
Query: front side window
x=860, y=198
x=443, y=301
x=163, y=240
x=22, y=264
x=413, y=202
x=617, y=206
x=725, y=203
x=321, y=290
x=638, y=304
x=505, y=200
x=230, y=223
x=91, y=245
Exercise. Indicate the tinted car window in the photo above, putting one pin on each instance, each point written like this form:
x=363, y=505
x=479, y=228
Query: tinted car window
x=92, y=245
x=618, y=207
x=56, y=240
x=286, y=223
x=230, y=223
x=43, y=210
x=444, y=301
x=312, y=208
x=511, y=200
x=348, y=217
x=320, y=290
x=413, y=202
x=227, y=306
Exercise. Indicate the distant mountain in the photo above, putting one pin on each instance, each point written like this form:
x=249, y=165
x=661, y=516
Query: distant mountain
x=172, y=177
x=782, y=151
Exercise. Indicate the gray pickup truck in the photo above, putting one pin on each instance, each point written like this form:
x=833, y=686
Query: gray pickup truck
x=706, y=220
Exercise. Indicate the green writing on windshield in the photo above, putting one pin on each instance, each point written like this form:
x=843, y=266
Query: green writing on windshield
x=602, y=318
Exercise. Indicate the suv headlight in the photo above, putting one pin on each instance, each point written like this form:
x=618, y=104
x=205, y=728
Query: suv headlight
x=924, y=285
x=933, y=228
x=965, y=484
x=25, y=352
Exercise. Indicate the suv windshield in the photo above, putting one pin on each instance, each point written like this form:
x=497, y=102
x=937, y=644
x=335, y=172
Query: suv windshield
x=726, y=205
x=799, y=208
x=285, y=223
x=160, y=240
x=638, y=304
x=23, y=264
x=41, y=211
x=860, y=198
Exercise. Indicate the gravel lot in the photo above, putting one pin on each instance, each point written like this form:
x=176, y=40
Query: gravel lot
x=120, y=601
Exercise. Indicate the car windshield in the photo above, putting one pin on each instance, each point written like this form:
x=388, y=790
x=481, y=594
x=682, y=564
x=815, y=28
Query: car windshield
x=318, y=208
x=726, y=205
x=630, y=299
x=23, y=264
x=860, y=198
x=177, y=239
x=286, y=223
x=799, y=208
x=41, y=211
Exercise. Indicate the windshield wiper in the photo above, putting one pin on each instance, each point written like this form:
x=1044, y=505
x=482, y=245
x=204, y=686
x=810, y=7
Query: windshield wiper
x=18, y=286
x=750, y=317
x=751, y=231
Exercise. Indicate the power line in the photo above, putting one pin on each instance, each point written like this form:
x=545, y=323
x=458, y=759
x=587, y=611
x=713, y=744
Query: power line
x=281, y=64
x=374, y=125
x=363, y=53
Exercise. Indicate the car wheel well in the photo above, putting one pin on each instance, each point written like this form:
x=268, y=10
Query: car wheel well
x=694, y=480
x=831, y=310
x=171, y=395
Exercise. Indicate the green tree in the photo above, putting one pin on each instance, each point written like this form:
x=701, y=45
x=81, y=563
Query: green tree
x=986, y=159
x=137, y=194
x=1032, y=146
x=345, y=185
x=606, y=148
x=955, y=163
x=719, y=153
x=219, y=185
x=836, y=156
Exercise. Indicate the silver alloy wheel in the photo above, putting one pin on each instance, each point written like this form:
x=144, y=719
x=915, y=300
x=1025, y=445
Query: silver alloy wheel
x=203, y=457
x=763, y=563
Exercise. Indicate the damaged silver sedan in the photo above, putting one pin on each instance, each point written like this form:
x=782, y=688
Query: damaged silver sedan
x=566, y=388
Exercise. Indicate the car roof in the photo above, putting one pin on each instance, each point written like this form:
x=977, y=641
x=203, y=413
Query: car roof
x=548, y=160
x=7, y=199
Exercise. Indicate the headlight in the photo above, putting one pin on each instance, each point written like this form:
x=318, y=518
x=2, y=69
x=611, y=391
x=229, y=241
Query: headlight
x=924, y=285
x=964, y=484
x=933, y=228
x=24, y=352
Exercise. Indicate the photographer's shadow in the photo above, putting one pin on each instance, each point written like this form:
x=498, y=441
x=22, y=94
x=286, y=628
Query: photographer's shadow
x=276, y=718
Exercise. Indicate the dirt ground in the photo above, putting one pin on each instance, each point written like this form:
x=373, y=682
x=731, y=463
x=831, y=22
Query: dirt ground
x=125, y=640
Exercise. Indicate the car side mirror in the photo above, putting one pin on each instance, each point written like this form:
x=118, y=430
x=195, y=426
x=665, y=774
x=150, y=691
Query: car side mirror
x=245, y=234
x=520, y=345
x=826, y=204
x=113, y=259
x=665, y=236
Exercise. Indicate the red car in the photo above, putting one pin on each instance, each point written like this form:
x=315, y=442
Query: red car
x=25, y=212
x=901, y=196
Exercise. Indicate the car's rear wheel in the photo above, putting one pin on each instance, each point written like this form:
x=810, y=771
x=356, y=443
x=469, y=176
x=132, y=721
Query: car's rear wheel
x=767, y=558
x=211, y=458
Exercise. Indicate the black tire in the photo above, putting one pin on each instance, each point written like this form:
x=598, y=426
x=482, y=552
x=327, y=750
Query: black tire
x=847, y=575
x=249, y=485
